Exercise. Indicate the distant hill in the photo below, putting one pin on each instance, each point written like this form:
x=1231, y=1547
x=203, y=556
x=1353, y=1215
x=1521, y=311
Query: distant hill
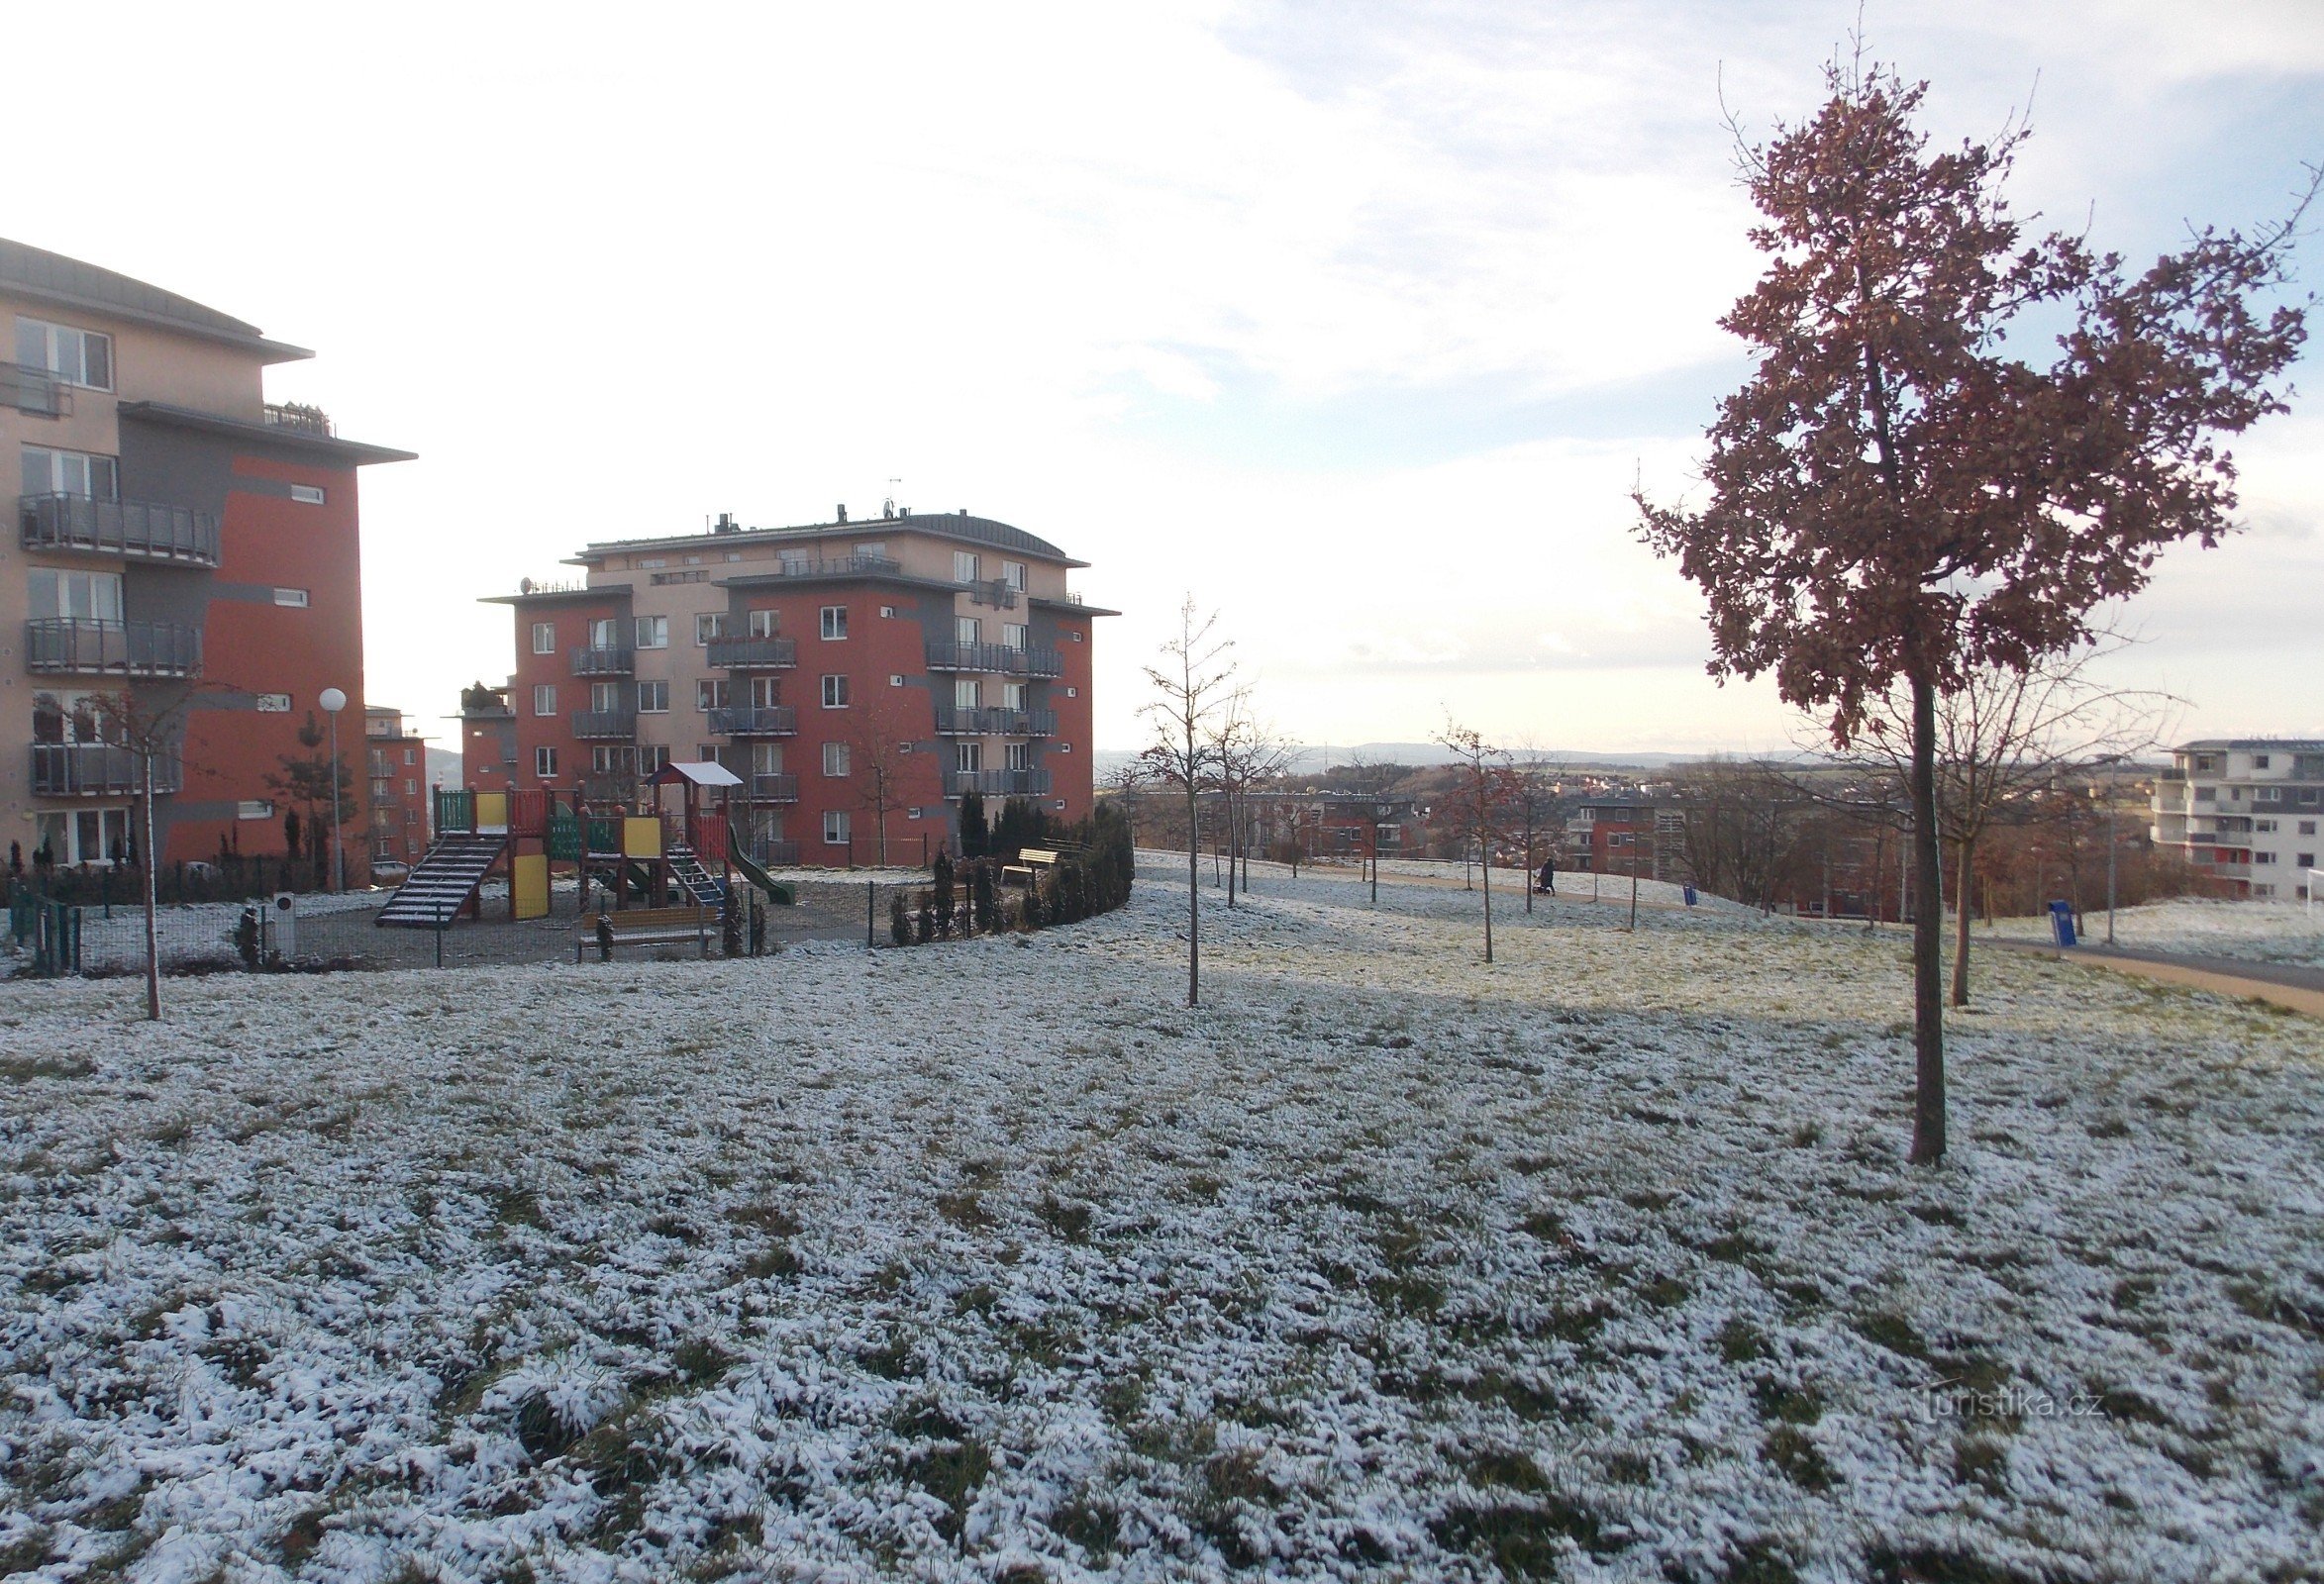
x=1312, y=759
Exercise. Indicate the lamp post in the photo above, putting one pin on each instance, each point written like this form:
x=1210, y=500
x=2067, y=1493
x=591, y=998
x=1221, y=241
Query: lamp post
x=333, y=701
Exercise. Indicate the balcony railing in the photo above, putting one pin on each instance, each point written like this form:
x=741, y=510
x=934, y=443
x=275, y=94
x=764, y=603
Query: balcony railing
x=776, y=852
x=995, y=723
x=602, y=724
x=296, y=415
x=776, y=721
x=994, y=658
x=837, y=566
x=997, y=783
x=775, y=786
x=120, y=528
x=92, y=769
x=34, y=390
x=80, y=645
x=753, y=654
x=603, y=662
x=994, y=592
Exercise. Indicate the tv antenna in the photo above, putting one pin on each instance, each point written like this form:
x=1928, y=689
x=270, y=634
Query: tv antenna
x=888, y=508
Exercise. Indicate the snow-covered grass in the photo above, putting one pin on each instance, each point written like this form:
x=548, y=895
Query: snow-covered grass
x=992, y=1261
x=2257, y=931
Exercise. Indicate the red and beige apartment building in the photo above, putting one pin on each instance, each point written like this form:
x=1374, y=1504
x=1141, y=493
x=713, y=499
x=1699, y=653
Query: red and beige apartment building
x=397, y=759
x=852, y=675
x=185, y=552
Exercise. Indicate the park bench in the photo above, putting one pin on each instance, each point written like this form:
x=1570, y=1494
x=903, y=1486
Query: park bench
x=1031, y=863
x=646, y=927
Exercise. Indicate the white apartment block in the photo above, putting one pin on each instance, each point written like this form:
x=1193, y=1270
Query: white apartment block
x=2247, y=811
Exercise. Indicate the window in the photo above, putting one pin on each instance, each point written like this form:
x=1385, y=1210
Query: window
x=606, y=759
x=875, y=548
x=698, y=575
x=709, y=627
x=653, y=632
x=543, y=637
x=652, y=757
x=1013, y=635
x=605, y=697
x=2206, y=794
x=53, y=473
x=2307, y=827
x=767, y=759
x=2205, y=762
x=87, y=596
x=765, y=692
x=966, y=692
x=653, y=698
x=710, y=694
x=967, y=630
x=605, y=634
x=294, y=597
x=834, y=826
x=2267, y=794
x=761, y=624
x=835, y=759
x=967, y=757
x=77, y=357
x=307, y=494
x=2263, y=857
x=835, y=621
x=2259, y=761
x=1015, y=756
x=2263, y=824
x=544, y=698
x=2307, y=860
x=963, y=567
x=1012, y=574
x=1012, y=695
x=83, y=835
x=545, y=764
x=254, y=809
x=710, y=753
x=835, y=692
x=410, y=757
x=647, y=562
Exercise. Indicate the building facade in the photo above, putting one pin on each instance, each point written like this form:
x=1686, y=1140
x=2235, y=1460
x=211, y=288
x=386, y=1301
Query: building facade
x=860, y=677
x=2246, y=811
x=1626, y=834
x=397, y=771
x=185, y=571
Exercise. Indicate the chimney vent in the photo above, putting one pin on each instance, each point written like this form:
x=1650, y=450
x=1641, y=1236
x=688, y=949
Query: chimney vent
x=727, y=524
x=843, y=512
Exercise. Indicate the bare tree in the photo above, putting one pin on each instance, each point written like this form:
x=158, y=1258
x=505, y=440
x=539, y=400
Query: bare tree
x=147, y=723
x=1244, y=751
x=1531, y=803
x=1194, y=688
x=1484, y=785
x=2003, y=737
x=879, y=746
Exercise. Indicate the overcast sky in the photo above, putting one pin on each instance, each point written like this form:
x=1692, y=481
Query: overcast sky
x=1356, y=319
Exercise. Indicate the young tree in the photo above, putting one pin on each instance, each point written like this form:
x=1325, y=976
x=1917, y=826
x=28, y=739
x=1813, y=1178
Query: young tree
x=1245, y=752
x=149, y=723
x=1194, y=688
x=1485, y=779
x=880, y=747
x=1897, y=496
x=1532, y=805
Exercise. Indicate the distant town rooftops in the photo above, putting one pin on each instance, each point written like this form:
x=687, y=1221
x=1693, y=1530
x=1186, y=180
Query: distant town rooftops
x=2253, y=745
x=53, y=277
x=955, y=526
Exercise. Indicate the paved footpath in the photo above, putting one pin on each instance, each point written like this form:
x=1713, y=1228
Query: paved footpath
x=2283, y=984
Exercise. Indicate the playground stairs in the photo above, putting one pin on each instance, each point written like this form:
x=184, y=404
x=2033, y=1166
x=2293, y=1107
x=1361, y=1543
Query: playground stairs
x=699, y=883
x=444, y=881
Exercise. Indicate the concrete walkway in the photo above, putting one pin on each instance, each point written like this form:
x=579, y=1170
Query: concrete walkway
x=2282, y=984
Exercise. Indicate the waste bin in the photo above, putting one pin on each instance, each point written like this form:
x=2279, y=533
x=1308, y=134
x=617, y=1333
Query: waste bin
x=1689, y=892
x=2062, y=921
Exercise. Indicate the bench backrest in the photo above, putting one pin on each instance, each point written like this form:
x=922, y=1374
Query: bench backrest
x=630, y=919
x=1041, y=856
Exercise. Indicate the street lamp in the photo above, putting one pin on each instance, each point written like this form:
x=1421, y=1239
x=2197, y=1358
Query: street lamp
x=333, y=701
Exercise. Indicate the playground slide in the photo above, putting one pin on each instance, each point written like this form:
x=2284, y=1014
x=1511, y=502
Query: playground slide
x=776, y=891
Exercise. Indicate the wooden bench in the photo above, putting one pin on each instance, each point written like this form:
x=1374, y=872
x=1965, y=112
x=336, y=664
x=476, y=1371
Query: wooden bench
x=1031, y=863
x=648, y=927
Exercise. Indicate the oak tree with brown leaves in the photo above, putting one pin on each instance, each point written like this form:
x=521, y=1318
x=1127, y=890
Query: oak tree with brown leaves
x=1898, y=495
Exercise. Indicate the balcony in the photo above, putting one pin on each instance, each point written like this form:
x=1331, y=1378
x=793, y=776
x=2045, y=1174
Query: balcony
x=999, y=659
x=994, y=592
x=772, y=786
x=82, y=647
x=91, y=769
x=34, y=390
x=997, y=783
x=753, y=654
x=600, y=725
x=120, y=528
x=602, y=662
x=995, y=723
x=776, y=721
x=776, y=852
x=300, y=417
x=837, y=566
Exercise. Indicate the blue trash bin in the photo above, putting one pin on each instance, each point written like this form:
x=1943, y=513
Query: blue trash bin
x=1690, y=890
x=2062, y=921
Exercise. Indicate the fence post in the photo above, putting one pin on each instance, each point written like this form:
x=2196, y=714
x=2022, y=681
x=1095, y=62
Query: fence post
x=870, y=914
x=440, y=935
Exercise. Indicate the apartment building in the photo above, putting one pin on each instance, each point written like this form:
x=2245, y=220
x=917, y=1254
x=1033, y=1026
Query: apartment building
x=185, y=562
x=2244, y=811
x=855, y=674
x=398, y=762
x=1617, y=835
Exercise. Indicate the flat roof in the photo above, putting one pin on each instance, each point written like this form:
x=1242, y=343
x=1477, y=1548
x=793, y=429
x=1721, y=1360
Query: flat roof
x=958, y=526
x=2247, y=744
x=283, y=435
x=69, y=283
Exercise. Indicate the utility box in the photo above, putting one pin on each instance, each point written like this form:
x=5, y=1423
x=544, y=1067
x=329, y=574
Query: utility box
x=283, y=922
x=2062, y=923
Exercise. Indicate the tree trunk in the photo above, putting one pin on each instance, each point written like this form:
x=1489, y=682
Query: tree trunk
x=153, y=933
x=1961, y=925
x=1234, y=846
x=1928, y=926
x=1193, y=897
x=1484, y=853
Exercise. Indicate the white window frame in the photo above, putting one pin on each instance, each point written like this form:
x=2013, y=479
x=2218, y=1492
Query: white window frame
x=653, y=632
x=837, y=761
x=1012, y=574
x=53, y=339
x=709, y=627
x=53, y=482
x=761, y=623
x=965, y=564
x=834, y=690
x=543, y=699
x=836, y=828
x=1016, y=635
x=543, y=637
x=53, y=589
x=711, y=693
x=308, y=494
x=834, y=619
x=659, y=692
x=544, y=762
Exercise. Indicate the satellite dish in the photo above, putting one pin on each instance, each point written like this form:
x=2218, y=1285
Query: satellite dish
x=525, y=585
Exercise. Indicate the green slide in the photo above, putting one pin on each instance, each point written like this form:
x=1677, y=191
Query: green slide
x=777, y=892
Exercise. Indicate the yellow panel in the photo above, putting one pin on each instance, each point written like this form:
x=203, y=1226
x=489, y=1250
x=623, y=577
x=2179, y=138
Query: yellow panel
x=641, y=837
x=492, y=810
x=532, y=885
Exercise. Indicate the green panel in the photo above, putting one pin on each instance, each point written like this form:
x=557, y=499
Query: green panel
x=456, y=810
x=564, y=836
